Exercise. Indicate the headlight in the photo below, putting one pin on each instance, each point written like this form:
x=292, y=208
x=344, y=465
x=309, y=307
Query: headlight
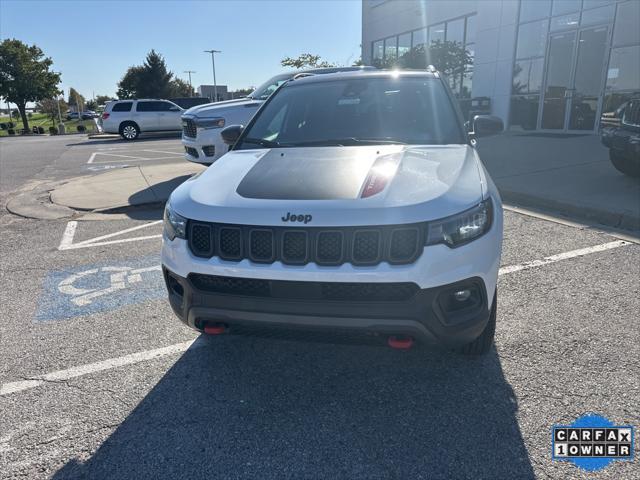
x=212, y=122
x=461, y=228
x=174, y=225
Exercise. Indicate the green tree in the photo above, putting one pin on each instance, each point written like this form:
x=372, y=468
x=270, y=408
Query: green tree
x=74, y=98
x=50, y=107
x=128, y=85
x=305, y=60
x=180, y=88
x=102, y=99
x=25, y=75
x=152, y=79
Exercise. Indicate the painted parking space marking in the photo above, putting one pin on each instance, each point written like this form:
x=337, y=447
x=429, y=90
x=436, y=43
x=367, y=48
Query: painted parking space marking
x=581, y=252
x=67, y=237
x=119, y=277
x=146, y=355
x=82, y=370
x=128, y=154
x=95, y=288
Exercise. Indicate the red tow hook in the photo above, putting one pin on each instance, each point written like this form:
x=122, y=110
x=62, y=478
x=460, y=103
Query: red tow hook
x=400, y=343
x=215, y=329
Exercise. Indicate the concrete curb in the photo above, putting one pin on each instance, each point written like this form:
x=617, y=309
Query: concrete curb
x=624, y=221
x=37, y=204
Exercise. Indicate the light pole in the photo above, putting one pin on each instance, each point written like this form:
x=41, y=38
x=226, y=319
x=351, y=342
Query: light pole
x=213, y=64
x=191, y=86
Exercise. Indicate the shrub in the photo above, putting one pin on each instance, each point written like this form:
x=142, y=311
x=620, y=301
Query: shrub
x=53, y=130
x=11, y=125
x=11, y=131
x=81, y=128
x=40, y=129
x=3, y=126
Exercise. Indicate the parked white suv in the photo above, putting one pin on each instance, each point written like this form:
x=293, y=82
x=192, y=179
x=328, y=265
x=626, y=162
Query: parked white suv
x=353, y=203
x=201, y=125
x=130, y=118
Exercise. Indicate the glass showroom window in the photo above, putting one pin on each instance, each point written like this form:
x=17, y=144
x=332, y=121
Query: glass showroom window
x=528, y=74
x=469, y=45
x=623, y=74
x=419, y=38
x=436, y=32
x=391, y=48
x=404, y=44
x=534, y=9
x=623, y=77
x=377, y=52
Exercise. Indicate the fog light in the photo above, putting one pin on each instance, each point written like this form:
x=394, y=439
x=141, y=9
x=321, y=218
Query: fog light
x=462, y=295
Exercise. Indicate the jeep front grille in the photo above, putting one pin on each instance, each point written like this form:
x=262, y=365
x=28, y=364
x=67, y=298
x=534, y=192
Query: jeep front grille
x=396, y=244
x=189, y=128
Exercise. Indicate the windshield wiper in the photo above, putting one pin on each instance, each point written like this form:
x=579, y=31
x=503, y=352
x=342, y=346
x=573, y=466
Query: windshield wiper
x=262, y=142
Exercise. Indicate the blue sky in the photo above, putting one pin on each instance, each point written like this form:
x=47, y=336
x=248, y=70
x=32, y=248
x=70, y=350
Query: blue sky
x=93, y=42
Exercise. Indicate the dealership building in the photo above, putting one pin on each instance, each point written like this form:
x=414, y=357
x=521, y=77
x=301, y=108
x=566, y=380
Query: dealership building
x=541, y=65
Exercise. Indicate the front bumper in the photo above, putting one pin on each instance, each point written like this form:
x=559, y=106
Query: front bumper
x=206, y=148
x=292, y=296
x=425, y=314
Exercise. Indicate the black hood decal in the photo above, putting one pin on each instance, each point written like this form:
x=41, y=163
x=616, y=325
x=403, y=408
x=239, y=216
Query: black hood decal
x=307, y=174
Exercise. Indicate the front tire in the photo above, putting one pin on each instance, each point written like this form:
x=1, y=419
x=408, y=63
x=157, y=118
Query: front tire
x=129, y=131
x=483, y=343
x=624, y=165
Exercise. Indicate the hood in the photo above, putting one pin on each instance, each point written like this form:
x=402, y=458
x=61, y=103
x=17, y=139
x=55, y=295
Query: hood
x=211, y=109
x=337, y=186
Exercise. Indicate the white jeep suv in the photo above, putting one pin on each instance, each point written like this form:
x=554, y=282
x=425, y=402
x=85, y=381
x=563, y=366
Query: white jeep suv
x=201, y=125
x=353, y=203
x=130, y=118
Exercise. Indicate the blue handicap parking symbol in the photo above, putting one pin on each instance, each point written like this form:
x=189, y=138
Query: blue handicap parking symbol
x=100, y=287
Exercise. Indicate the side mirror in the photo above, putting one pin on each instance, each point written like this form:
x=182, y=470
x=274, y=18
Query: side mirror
x=231, y=133
x=175, y=109
x=486, y=125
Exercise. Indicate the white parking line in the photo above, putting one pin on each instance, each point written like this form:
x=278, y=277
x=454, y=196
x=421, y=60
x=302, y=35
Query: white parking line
x=74, y=372
x=67, y=237
x=123, y=154
x=581, y=252
x=136, y=159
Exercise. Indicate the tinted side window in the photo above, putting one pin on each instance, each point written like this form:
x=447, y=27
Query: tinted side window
x=122, y=107
x=147, y=106
x=154, y=106
x=164, y=106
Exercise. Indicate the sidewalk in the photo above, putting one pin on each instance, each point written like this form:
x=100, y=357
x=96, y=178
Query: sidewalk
x=567, y=175
x=129, y=186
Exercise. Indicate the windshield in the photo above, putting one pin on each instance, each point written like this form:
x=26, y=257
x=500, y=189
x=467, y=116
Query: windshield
x=270, y=86
x=411, y=110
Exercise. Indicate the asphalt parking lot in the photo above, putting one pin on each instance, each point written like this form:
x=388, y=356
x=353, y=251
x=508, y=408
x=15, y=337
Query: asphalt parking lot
x=98, y=379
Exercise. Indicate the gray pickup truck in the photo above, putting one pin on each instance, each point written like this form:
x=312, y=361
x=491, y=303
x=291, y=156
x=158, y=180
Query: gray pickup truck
x=622, y=136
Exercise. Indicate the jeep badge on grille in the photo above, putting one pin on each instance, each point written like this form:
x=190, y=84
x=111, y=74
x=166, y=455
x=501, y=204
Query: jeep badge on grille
x=290, y=217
